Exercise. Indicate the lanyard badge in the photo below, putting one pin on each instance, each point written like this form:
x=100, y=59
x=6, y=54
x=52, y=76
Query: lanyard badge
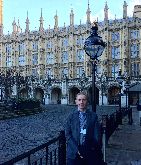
x=83, y=131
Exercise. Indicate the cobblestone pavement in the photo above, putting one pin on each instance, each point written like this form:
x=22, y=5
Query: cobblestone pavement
x=22, y=134
x=124, y=146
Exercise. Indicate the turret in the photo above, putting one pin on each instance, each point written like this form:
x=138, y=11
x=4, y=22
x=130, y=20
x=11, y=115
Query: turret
x=106, y=12
x=71, y=18
x=56, y=21
x=41, y=28
x=137, y=11
x=125, y=10
x=14, y=26
x=27, y=24
x=88, y=14
x=1, y=17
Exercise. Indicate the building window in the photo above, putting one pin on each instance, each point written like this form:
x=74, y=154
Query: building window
x=134, y=34
x=21, y=48
x=80, y=40
x=49, y=58
x=134, y=50
x=115, y=36
x=135, y=69
x=115, y=70
x=35, y=46
x=21, y=60
x=65, y=57
x=35, y=59
x=65, y=71
x=98, y=70
x=80, y=56
x=65, y=42
x=115, y=52
x=8, y=48
x=8, y=61
x=34, y=72
x=49, y=45
x=49, y=73
x=80, y=71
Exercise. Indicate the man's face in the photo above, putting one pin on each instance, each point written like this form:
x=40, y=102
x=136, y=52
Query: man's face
x=81, y=101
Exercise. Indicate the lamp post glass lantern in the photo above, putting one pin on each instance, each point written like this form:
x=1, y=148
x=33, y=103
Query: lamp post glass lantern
x=94, y=47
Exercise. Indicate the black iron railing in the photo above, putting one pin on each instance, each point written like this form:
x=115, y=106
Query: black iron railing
x=112, y=121
x=50, y=153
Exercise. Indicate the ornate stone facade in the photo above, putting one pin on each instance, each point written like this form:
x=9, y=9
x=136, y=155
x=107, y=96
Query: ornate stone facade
x=55, y=66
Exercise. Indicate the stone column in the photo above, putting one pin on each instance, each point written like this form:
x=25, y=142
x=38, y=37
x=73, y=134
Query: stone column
x=102, y=99
x=47, y=98
x=14, y=90
x=64, y=98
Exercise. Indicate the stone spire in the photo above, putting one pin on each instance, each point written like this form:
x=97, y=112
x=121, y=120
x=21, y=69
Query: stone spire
x=14, y=26
x=56, y=21
x=106, y=12
x=125, y=10
x=27, y=24
x=88, y=14
x=19, y=30
x=41, y=28
x=71, y=18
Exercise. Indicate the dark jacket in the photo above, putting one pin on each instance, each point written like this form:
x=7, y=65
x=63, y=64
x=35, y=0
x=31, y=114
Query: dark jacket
x=72, y=132
x=138, y=106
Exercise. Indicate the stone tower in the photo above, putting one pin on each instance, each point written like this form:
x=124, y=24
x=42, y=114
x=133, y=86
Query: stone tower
x=137, y=11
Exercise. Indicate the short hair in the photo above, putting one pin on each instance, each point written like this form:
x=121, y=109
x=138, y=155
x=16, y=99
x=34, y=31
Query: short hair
x=82, y=93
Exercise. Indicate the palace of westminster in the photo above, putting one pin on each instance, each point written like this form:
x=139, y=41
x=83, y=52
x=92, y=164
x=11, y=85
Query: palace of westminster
x=51, y=64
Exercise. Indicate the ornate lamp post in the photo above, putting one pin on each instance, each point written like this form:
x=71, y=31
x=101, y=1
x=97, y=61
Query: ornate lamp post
x=127, y=85
x=103, y=82
x=120, y=79
x=94, y=47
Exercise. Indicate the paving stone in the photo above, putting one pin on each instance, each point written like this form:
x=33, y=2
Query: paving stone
x=124, y=146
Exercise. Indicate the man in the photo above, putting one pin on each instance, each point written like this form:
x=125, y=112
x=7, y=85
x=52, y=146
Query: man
x=139, y=109
x=83, y=135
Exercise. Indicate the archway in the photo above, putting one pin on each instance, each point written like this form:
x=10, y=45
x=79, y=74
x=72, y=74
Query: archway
x=72, y=94
x=39, y=94
x=56, y=96
x=113, y=95
x=23, y=93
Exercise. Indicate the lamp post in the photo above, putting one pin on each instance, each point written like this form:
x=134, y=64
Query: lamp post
x=94, y=47
x=103, y=82
x=120, y=80
x=127, y=85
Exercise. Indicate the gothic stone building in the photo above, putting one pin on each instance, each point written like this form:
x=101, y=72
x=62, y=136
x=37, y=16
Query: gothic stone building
x=51, y=64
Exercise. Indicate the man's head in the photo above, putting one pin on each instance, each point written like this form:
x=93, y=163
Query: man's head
x=81, y=101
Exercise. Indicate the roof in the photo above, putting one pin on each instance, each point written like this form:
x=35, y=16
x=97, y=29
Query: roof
x=136, y=88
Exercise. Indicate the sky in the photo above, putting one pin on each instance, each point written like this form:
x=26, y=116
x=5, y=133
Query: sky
x=17, y=9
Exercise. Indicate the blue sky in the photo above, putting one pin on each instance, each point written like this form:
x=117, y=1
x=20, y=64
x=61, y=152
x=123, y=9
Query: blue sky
x=18, y=9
